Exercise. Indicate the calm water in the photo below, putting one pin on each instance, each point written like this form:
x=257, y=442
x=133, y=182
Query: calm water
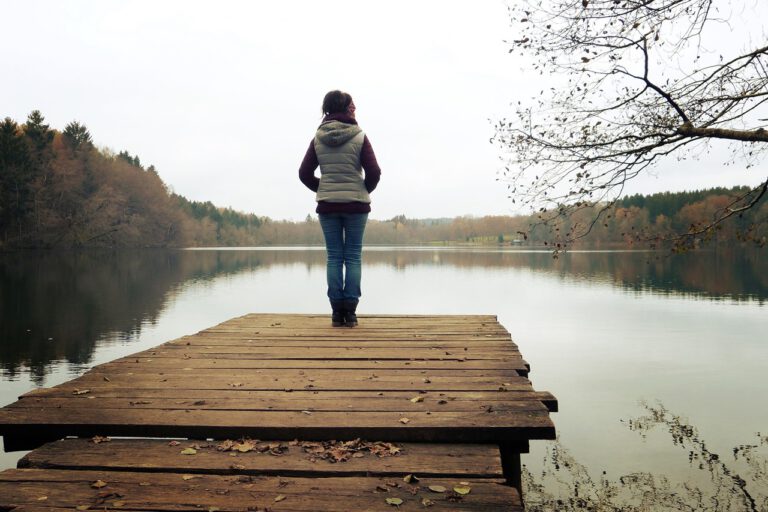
x=603, y=331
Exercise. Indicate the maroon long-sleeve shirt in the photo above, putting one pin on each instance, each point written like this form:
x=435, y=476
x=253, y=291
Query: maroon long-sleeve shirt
x=367, y=160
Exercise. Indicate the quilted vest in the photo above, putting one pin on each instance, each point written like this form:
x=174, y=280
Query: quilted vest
x=341, y=175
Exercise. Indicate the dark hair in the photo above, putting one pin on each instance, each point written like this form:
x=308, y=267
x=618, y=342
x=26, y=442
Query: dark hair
x=336, y=102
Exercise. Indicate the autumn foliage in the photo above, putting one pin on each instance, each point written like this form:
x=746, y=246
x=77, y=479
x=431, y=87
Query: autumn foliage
x=58, y=190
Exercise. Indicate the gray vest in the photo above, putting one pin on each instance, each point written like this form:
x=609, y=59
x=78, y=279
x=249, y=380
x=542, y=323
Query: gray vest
x=341, y=175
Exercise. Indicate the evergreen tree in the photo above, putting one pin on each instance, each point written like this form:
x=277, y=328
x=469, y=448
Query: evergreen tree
x=77, y=136
x=14, y=179
x=39, y=133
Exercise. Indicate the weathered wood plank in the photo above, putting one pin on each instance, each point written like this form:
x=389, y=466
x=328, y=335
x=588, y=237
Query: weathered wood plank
x=95, y=383
x=360, y=400
x=132, y=363
x=170, y=492
x=481, y=427
x=433, y=404
x=295, y=459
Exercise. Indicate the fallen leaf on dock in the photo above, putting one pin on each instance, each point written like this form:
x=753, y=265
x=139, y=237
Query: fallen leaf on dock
x=82, y=507
x=100, y=439
x=188, y=477
x=417, y=399
x=404, y=421
x=42, y=498
x=410, y=479
x=118, y=504
x=173, y=443
x=462, y=490
x=188, y=451
x=395, y=502
x=81, y=391
x=279, y=497
x=437, y=488
x=427, y=502
x=244, y=446
x=98, y=484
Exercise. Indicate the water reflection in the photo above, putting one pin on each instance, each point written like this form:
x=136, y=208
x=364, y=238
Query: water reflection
x=737, y=481
x=57, y=306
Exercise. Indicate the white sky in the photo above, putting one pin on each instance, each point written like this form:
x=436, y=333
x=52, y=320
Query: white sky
x=224, y=97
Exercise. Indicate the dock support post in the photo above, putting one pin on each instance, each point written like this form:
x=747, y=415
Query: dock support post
x=511, y=465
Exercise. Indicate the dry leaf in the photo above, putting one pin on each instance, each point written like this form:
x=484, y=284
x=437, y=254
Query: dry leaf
x=437, y=488
x=173, y=443
x=106, y=379
x=100, y=439
x=307, y=412
x=98, y=484
x=188, y=451
x=395, y=502
x=118, y=504
x=279, y=497
x=82, y=507
x=213, y=509
x=464, y=483
x=244, y=446
x=417, y=399
x=42, y=498
x=410, y=479
x=404, y=420
x=188, y=477
x=462, y=490
x=426, y=380
x=427, y=502
x=144, y=484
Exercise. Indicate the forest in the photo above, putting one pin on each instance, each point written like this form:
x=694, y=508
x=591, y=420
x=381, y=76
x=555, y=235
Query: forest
x=58, y=190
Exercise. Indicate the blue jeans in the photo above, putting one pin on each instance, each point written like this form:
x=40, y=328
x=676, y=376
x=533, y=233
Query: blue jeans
x=344, y=243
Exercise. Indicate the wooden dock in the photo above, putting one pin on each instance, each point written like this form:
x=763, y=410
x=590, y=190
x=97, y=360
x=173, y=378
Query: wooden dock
x=284, y=412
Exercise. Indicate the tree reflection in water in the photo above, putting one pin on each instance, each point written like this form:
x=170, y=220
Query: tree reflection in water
x=738, y=482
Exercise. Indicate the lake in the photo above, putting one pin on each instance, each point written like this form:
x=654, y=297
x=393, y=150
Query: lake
x=659, y=363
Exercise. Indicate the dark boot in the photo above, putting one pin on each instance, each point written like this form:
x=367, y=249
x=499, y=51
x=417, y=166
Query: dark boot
x=350, y=318
x=338, y=312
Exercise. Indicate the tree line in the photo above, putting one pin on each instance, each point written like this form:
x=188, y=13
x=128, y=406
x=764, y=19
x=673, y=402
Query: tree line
x=58, y=190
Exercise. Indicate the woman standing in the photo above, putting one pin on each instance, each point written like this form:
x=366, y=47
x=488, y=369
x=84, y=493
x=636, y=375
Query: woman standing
x=342, y=151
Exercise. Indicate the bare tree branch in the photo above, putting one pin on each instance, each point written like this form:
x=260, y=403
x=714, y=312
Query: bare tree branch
x=640, y=81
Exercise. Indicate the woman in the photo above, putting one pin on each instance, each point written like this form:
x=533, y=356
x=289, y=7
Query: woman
x=342, y=151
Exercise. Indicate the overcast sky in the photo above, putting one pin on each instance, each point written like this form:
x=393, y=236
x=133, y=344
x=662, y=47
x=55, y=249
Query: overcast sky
x=224, y=97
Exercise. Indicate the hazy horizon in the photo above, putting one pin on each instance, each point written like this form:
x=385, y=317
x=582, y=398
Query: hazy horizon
x=224, y=99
